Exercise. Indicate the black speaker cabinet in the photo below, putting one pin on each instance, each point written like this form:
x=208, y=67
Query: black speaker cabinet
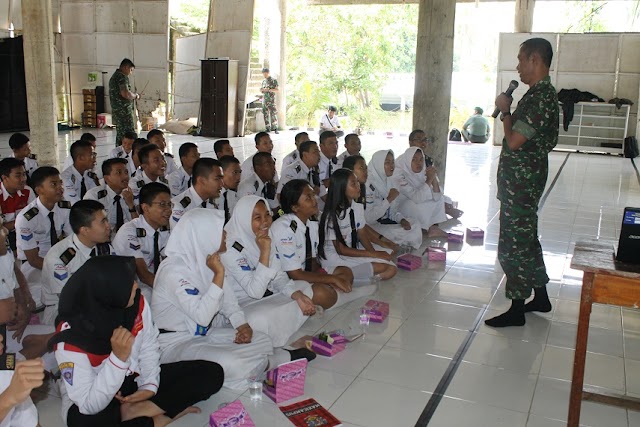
x=219, y=95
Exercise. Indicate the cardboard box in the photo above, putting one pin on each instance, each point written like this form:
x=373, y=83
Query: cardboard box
x=455, y=236
x=104, y=119
x=436, y=254
x=475, y=233
x=409, y=262
x=376, y=310
x=286, y=381
x=89, y=98
x=233, y=414
x=324, y=348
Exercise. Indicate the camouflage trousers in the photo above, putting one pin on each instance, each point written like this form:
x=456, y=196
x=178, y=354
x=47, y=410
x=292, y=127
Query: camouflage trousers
x=123, y=122
x=519, y=250
x=270, y=113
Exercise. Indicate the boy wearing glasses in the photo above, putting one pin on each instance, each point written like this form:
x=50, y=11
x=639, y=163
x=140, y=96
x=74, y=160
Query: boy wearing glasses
x=145, y=237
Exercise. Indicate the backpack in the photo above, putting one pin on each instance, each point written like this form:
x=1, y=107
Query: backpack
x=455, y=135
x=631, y=147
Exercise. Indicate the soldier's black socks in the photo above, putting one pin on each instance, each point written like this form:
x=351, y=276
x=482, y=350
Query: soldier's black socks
x=540, y=301
x=512, y=317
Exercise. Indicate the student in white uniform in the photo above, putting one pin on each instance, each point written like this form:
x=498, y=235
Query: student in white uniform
x=296, y=243
x=204, y=193
x=272, y=302
x=263, y=145
x=90, y=138
x=306, y=167
x=146, y=237
x=40, y=225
x=231, y=177
x=260, y=183
x=181, y=179
x=107, y=350
x=21, y=148
x=388, y=236
x=156, y=137
x=16, y=383
x=352, y=147
x=343, y=239
x=328, y=156
x=153, y=166
x=90, y=238
x=381, y=210
x=125, y=151
x=79, y=177
x=115, y=195
x=420, y=194
x=135, y=149
x=295, y=154
x=189, y=293
x=222, y=147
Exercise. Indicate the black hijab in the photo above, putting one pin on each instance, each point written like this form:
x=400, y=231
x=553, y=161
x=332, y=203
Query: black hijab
x=94, y=303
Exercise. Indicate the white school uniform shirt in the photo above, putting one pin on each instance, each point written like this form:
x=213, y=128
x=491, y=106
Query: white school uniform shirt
x=187, y=200
x=119, y=153
x=179, y=181
x=171, y=164
x=232, y=198
x=345, y=228
x=72, y=182
x=105, y=195
x=290, y=158
x=378, y=207
x=290, y=242
x=33, y=225
x=135, y=239
x=68, y=162
x=91, y=381
x=254, y=186
x=23, y=414
x=247, y=169
x=343, y=156
x=327, y=123
x=30, y=163
x=139, y=180
x=323, y=166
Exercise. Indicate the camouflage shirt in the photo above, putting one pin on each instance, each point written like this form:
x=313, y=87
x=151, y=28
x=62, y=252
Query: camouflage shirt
x=522, y=173
x=118, y=103
x=269, y=83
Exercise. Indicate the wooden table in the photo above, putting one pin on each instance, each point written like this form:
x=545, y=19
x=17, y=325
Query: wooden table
x=605, y=281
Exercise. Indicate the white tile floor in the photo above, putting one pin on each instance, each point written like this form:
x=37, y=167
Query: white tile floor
x=512, y=377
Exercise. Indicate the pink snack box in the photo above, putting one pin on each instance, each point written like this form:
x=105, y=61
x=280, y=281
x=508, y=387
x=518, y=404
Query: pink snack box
x=455, y=236
x=323, y=348
x=286, y=381
x=234, y=414
x=437, y=254
x=409, y=262
x=377, y=310
x=475, y=232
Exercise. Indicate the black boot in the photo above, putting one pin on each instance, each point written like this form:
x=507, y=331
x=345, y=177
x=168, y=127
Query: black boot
x=302, y=353
x=513, y=317
x=540, y=301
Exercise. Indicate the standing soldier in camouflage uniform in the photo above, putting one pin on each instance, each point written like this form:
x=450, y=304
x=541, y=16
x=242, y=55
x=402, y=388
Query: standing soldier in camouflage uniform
x=530, y=132
x=269, y=110
x=122, y=100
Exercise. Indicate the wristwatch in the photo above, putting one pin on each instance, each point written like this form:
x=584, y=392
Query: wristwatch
x=505, y=114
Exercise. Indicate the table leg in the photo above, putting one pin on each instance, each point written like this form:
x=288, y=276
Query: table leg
x=575, y=399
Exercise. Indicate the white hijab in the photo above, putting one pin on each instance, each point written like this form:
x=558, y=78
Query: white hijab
x=239, y=227
x=377, y=177
x=197, y=235
x=403, y=171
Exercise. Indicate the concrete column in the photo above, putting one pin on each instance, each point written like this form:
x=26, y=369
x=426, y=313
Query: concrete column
x=281, y=98
x=434, y=65
x=524, y=16
x=39, y=72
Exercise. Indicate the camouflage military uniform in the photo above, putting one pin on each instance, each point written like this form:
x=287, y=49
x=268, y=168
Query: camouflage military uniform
x=122, y=110
x=522, y=176
x=269, y=109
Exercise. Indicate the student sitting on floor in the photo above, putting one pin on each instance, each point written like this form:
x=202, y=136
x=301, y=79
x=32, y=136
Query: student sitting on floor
x=106, y=346
x=343, y=240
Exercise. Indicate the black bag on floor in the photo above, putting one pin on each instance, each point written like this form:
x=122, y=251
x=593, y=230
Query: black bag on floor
x=455, y=135
x=631, y=147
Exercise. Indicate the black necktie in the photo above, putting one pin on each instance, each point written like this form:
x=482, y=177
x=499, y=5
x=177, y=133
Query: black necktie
x=203, y=204
x=227, y=216
x=264, y=191
x=156, y=251
x=93, y=253
x=119, y=213
x=330, y=169
x=307, y=250
x=189, y=183
x=83, y=188
x=52, y=231
x=354, y=230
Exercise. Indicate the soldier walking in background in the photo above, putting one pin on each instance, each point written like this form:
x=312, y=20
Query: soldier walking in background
x=122, y=100
x=269, y=89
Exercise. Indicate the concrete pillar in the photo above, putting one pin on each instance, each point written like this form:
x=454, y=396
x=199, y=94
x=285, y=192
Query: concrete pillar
x=281, y=98
x=434, y=65
x=524, y=16
x=39, y=72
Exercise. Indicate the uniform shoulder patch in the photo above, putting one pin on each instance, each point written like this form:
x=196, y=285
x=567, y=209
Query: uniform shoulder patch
x=140, y=184
x=141, y=232
x=68, y=255
x=92, y=175
x=168, y=155
x=102, y=194
x=186, y=201
x=237, y=246
x=298, y=168
x=64, y=204
x=295, y=155
x=256, y=185
x=33, y=157
x=73, y=179
x=164, y=228
x=120, y=153
x=294, y=225
x=31, y=213
x=372, y=187
x=163, y=180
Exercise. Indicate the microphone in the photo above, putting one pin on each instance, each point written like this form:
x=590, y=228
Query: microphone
x=512, y=86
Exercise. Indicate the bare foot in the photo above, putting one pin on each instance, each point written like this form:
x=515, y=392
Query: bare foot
x=163, y=420
x=435, y=231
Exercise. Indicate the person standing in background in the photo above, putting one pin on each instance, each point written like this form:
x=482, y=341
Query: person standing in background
x=122, y=100
x=269, y=89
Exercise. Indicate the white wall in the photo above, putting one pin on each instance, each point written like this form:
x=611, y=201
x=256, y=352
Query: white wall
x=189, y=52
